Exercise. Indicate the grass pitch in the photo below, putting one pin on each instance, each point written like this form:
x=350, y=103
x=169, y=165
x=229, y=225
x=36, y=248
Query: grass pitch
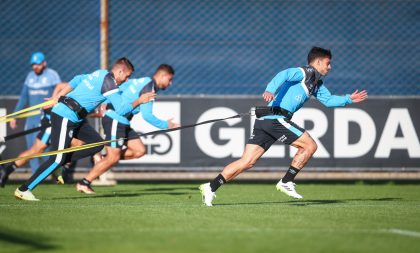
x=167, y=217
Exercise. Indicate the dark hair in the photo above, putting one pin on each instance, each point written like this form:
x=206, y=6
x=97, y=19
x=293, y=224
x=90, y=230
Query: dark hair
x=166, y=68
x=317, y=52
x=124, y=62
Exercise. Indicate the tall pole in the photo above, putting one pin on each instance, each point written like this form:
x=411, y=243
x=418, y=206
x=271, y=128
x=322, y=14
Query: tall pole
x=104, y=53
x=104, y=34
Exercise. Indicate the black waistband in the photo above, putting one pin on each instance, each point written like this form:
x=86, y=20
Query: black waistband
x=261, y=111
x=74, y=105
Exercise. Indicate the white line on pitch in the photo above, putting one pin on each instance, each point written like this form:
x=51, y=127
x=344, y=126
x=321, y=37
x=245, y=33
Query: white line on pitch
x=404, y=232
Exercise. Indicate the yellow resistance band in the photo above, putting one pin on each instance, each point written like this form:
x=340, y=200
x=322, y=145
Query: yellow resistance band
x=49, y=102
x=96, y=144
x=23, y=115
x=62, y=151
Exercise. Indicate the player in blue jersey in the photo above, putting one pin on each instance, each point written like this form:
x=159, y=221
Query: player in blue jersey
x=83, y=94
x=41, y=142
x=39, y=84
x=117, y=126
x=285, y=94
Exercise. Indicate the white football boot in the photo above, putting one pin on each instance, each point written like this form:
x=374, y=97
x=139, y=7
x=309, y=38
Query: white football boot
x=26, y=195
x=206, y=194
x=84, y=188
x=288, y=188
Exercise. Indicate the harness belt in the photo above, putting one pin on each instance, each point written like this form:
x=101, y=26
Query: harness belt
x=128, y=115
x=261, y=111
x=74, y=105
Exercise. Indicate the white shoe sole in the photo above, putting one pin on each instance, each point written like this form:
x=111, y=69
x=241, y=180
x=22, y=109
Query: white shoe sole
x=20, y=197
x=285, y=191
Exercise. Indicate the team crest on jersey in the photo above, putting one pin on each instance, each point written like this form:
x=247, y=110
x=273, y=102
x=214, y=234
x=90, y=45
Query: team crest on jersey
x=71, y=133
x=120, y=142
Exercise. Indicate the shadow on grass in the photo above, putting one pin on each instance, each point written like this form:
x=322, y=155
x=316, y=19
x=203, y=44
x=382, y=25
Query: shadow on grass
x=308, y=202
x=124, y=195
x=32, y=241
x=172, y=189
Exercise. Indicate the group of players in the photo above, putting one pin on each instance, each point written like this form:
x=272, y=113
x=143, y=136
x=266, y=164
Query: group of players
x=124, y=97
x=74, y=101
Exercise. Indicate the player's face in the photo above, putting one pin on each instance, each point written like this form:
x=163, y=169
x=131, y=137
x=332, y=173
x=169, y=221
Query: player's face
x=122, y=76
x=324, y=66
x=38, y=68
x=165, y=81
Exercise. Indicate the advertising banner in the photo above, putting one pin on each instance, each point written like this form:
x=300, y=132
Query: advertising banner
x=378, y=134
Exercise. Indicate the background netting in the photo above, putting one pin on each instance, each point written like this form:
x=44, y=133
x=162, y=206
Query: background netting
x=220, y=46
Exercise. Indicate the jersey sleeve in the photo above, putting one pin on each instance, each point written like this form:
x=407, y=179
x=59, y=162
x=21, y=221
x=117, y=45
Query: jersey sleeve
x=287, y=75
x=147, y=114
x=120, y=105
x=324, y=96
x=23, y=99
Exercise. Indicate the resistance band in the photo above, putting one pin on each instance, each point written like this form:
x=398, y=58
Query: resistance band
x=22, y=115
x=13, y=115
x=19, y=134
x=101, y=143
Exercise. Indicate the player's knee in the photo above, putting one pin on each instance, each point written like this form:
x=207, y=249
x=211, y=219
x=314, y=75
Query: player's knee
x=312, y=147
x=139, y=152
x=248, y=163
x=113, y=159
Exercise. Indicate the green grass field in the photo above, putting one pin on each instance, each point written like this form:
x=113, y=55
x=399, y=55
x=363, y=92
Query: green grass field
x=168, y=217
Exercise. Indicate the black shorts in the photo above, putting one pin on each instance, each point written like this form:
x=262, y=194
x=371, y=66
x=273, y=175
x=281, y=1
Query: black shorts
x=114, y=130
x=268, y=131
x=63, y=131
x=45, y=134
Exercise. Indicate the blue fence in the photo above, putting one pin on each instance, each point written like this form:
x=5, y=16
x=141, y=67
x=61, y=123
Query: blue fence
x=220, y=46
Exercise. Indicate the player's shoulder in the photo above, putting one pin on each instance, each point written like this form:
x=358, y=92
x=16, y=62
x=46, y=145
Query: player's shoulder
x=97, y=75
x=100, y=73
x=141, y=80
x=292, y=73
x=295, y=70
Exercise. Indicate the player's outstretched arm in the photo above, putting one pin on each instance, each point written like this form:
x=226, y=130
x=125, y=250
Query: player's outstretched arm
x=357, y=96
x=144, y=98
x=61, y=89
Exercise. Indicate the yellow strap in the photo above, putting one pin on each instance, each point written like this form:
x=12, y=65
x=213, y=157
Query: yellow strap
x=49, y=102
x=63, y=151
x=23, y=115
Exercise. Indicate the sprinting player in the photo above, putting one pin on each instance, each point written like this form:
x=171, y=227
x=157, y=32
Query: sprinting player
x=117, y=126
x=285, y=94
x=68, y=118
x=41, y=142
